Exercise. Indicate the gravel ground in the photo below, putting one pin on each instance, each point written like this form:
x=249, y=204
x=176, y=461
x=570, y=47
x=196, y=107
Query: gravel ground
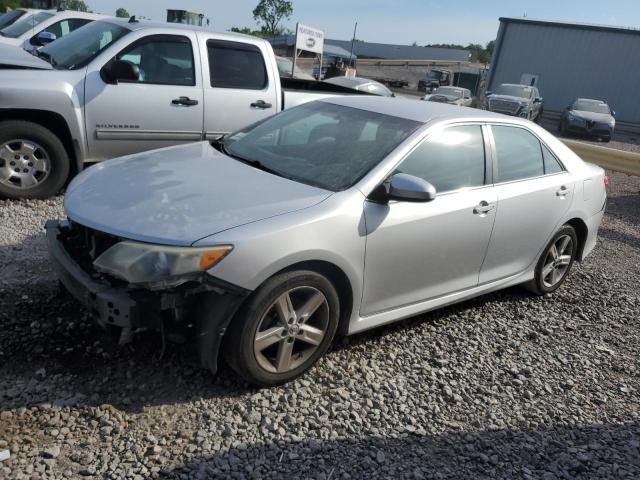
x=507, y=385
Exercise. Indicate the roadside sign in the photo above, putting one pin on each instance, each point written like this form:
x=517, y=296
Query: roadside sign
x=309, y=39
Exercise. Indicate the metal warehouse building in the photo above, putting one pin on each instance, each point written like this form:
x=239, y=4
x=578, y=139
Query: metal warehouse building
x=570, y=60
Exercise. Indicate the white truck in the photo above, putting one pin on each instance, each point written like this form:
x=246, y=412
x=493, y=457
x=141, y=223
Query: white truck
x=116, y=87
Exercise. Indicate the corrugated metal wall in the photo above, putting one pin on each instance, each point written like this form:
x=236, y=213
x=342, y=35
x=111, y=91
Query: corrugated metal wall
x=572, y=62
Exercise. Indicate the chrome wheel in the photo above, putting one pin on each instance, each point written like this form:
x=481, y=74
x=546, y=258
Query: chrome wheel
x=557, y=261
x=292, y=328
x=23, y=164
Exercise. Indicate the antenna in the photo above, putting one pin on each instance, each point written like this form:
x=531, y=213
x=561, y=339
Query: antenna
x=133, y=19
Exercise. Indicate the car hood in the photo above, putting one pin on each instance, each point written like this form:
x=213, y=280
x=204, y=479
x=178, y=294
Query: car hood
x=595, y=117
x=178, y=195
x=13, y=56
x=509, y=98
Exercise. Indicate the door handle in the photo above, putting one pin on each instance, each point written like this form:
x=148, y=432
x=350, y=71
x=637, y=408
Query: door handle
x=483, y=208
x=184, y=101
x=260, y=104
x=563, y=192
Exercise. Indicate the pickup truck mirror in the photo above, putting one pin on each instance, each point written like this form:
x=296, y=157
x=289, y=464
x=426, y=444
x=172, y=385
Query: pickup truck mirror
x=537, y=100
x=613, y=113
x=122, y=70
x=405, y=188
x=43, y=38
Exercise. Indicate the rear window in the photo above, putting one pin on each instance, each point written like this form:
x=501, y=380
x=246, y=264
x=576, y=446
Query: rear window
x=236, y=65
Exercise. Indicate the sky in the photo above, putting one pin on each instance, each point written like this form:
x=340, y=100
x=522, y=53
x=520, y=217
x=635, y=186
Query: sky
x=395, y=21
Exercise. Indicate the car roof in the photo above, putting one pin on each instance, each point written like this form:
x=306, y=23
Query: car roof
x=416, y=110
x=144, y=24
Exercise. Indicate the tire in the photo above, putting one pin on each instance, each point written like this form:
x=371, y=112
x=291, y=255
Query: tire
x=259, y=362
x=33, y=160
x=545, y=280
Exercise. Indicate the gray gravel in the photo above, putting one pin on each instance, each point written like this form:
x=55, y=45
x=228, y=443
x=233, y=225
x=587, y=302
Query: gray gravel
x=504, y=386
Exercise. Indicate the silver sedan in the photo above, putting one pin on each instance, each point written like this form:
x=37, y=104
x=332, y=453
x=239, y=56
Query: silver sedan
x=330, y=218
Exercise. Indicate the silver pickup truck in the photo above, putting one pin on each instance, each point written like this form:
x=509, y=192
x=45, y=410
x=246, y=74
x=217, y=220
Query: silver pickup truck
x=117, y=87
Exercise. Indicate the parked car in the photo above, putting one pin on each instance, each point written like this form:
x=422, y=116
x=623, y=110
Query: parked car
x=361, y=84
x=115, y=87
x=42, y=27
x=517, y=100
x=12, y=16
x=434, y=79
x=339, y=215
x=285, y=69
x=453, y=95
x=589, y=117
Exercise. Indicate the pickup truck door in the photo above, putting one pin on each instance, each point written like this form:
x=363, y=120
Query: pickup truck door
x=241, y=83
x=163, y=107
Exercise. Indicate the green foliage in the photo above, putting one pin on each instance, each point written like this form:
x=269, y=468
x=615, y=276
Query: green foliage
x=11, y=4
x=122, y=13
x=479, y=53
x=269, y=14
x=77, y=5
x=247, y=31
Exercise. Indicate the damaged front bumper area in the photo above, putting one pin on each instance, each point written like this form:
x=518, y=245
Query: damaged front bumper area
x=128, y=309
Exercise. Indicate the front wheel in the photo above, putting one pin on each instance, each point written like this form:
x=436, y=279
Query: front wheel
x=33, y=160
x=555, y=262
x=284, y=328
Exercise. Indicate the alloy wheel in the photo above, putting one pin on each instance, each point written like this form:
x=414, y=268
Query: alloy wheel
x=23, y=164
x=292, y=328
x=557, y=261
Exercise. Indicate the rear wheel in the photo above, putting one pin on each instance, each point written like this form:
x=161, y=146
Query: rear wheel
x=555, y=262
x=33, y=161
x=284, y=328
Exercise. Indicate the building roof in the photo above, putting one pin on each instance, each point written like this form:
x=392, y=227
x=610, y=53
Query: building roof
x=575, y=25
x=342, y=48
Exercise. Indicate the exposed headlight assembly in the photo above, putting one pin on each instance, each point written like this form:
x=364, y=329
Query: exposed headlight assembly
x=142, y=263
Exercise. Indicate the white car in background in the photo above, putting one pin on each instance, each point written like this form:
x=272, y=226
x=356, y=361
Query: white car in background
x=452, y=95
x=14, y=15
x=36, y=29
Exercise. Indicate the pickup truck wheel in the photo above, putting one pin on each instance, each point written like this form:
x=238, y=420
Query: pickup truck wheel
x=33, y=161
x=284, y=327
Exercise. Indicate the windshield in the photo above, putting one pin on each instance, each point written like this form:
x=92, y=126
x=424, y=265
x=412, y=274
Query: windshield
x=321, y=144
x=10, y=17
x=25, y=24
x=515, y=91
x=450, y=92
x=594, y=106
x=78, y=48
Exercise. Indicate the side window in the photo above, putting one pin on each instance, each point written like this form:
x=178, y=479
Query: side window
x=449, y=159
x=551, y=163
x=163, y=60
x=236, y=65
x=518, y=153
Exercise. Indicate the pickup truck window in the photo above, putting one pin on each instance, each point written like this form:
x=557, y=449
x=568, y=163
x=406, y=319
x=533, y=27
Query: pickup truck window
x=163, y=60
x=25, y=24
x=78, y=48
x=236, y=65
x=64, y=27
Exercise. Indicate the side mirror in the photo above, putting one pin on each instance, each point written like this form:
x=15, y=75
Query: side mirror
x=405, y=188
x=43, y=38
x=122, y=70
x=487, y=93
x=613, y=113
x=537, y=100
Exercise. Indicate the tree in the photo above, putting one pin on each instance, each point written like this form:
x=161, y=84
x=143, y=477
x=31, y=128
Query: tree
x=269, y=14
x=77, y=5
x=6, y=5
x=122, y=13
x=246, y=31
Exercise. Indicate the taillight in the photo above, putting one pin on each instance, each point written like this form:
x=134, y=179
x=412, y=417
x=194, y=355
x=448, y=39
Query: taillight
x=606, y=183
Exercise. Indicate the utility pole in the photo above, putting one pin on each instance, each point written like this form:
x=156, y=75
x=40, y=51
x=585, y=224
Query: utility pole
x=355, y=29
